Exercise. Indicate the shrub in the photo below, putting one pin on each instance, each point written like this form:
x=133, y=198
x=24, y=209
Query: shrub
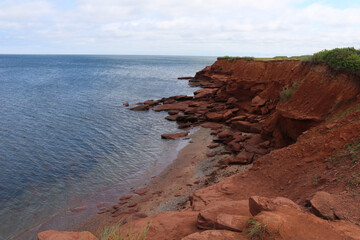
x=256, y=230
x=229, y=58
x=340, y=59
x=113, y=233
x=287, y=93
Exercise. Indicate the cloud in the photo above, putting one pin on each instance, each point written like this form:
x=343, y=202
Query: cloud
x=196, y=27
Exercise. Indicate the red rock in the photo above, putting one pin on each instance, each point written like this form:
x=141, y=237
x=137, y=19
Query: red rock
x=116, y=206
x=214, y=117
x=238, y=118
x=125, y=197
x=123, y=202
x=140, y=108
x=258, y=101
x=246, y=126
x=290, y=223
x=207, y=217
x=194, y=104
x=56, y=235
x=173, y=136
x=225, y=136
x=258, y=204
x=173, y=112
x=141, y=191
x=243, y=158
x=184, y=125
x=322, y=205
x=213, y=145
x=166, y=225
x=215, y=235
x=180, y=106
x=228, y=114
x=234, y=146
x=131, y=205
x=231, y=222
x=211, y=154
x=212, y=126
x=172, y=117
x=197, y=182
x=126, y=104
x=204, y=93
x=185, y=78
x=183, y=98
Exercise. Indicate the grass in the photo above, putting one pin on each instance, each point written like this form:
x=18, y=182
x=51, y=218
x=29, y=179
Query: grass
x=256, y=230
x=287, y=93
x=276, y=58
x=343, y=114
x=114, y=233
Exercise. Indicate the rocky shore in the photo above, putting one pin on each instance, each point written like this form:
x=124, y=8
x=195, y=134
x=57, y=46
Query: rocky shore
x=275, y=157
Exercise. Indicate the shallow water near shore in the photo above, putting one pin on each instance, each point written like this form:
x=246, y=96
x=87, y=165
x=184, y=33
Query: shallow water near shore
x=65, y=136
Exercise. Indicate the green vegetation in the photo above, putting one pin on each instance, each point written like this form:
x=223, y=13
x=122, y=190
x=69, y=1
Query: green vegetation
x=256, y=230
x=347, y=59
x=277, y=58
x=347, y=112
x=229, y=58
x=316, y=179
x=114, y=233
x=287, y=93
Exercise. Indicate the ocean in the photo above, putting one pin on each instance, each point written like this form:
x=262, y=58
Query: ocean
x=66, y=140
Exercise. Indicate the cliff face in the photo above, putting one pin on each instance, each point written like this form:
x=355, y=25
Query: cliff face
x=316, y=93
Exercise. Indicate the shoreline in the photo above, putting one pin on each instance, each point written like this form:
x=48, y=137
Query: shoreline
x=170, y=190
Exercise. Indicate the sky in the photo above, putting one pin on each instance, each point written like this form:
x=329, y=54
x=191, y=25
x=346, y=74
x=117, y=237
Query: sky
x=260, y=28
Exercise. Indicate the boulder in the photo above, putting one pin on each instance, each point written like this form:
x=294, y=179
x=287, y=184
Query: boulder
x=293, y=224
x=258, y=102
x=214, y=116
x=140, y=108
x=258, y=204
x=56, y=235
x=225, y=136
x=322, y=206
x=173, y=136
x=215, y=235
x=243, y=157
x=246, y=126
x=172, y=117
x=207, y=217
x=166, y=225
x=231, y=222
x=183, y=98
x=204, y=93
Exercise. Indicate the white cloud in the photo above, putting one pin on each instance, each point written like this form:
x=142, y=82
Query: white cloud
x=212, y=27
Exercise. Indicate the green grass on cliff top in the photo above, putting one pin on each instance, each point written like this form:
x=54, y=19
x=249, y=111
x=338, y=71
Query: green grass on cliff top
x=347, y=59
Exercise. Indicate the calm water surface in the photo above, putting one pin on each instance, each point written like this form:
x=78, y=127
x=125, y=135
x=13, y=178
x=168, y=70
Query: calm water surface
x=65, y=136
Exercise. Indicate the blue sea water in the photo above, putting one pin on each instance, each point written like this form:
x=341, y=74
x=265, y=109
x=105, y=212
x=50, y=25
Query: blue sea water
x=65, y=136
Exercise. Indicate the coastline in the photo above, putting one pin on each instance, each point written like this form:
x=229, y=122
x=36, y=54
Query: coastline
x=169, y=190
x=207, y=187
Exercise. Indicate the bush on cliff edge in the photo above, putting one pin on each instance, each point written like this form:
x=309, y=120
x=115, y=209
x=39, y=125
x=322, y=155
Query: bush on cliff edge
x=340, y=59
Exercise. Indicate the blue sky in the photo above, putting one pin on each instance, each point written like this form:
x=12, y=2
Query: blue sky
x=173, y=27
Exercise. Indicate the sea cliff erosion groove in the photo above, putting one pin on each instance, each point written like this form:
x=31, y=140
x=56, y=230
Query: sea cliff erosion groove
x=291, y=143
